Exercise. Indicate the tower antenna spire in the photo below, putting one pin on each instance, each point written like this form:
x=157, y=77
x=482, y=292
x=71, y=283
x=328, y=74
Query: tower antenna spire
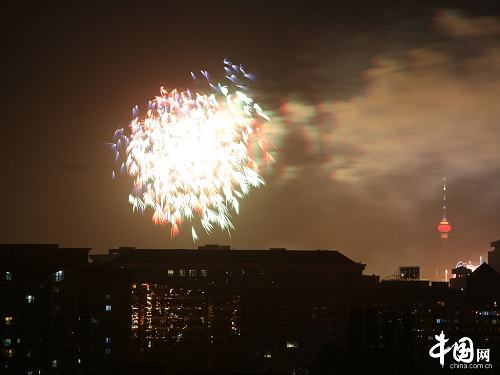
x=444, y=198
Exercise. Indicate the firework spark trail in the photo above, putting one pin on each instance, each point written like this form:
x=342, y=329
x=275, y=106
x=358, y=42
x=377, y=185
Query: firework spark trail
x=190, y=157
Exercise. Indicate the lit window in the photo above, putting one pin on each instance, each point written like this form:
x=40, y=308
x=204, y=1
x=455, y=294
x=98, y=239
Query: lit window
x=30, y=372
x=439, y=321
x=107, y=340
x=8, y=320
x=182, y=273
x=9, y=353
x=8, y=276
x=267, y=355
x=292, y=344
x=79, y=360
x=55, y=362
x=204, y=273
x=6, y=342
x=171, y=273
x=59, y=276
x=18, y=340
x=107, y=350
x=108, y=308
x=30, y=298
x=108, y=297
x=192, y=273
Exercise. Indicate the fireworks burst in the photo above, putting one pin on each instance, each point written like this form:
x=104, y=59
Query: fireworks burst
x=191, y=156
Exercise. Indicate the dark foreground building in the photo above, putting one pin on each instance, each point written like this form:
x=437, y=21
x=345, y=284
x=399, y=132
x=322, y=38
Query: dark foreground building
x=396, y=328
x=58, y=312
x=220, y=311
x=494, y=256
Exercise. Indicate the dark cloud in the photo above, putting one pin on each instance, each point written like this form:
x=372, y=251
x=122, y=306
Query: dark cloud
x=428, y=114
x=458, y=24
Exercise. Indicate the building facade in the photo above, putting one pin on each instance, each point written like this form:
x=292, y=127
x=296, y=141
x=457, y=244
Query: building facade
x=494, y=256
x=54, y=318
x=234, y=310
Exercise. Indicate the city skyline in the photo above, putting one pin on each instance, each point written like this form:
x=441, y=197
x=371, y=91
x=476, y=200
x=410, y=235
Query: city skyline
x=151, y=311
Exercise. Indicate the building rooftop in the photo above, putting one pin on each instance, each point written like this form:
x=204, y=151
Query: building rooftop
x=42, y=254
x=223, y=254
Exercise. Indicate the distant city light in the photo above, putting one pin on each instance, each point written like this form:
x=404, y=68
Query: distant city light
x=59, y=276
x=292, y=344
x=469, y=265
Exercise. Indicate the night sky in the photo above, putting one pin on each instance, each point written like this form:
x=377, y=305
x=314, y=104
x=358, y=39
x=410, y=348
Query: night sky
x=372, y=104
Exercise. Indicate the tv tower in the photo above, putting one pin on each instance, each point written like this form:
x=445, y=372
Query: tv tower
x=444, y=227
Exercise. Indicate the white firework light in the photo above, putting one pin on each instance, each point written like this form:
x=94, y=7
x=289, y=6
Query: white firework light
x=190, y=156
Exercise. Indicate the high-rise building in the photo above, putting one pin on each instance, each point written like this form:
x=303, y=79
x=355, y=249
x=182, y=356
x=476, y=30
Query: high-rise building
x=409, y=273
x=459, y=278
x=235, y=310
x=494, y=256
x=53, y=312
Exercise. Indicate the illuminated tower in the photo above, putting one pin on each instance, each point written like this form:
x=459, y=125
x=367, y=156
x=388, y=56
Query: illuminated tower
x=444, y=227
